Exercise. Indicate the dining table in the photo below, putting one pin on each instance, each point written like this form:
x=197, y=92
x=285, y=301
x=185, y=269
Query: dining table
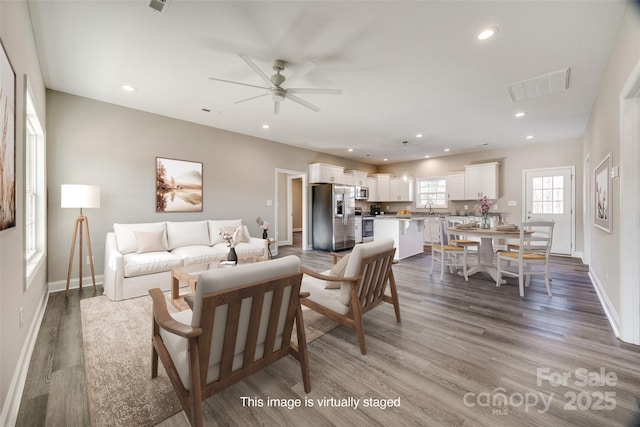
x=486, y=262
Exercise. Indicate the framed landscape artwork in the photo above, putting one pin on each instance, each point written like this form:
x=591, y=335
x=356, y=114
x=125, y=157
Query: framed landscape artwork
x=7, y=143
x=178, y=185
x=602, y=196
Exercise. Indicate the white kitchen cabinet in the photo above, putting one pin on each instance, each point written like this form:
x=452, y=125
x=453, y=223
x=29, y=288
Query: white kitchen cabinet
x=407, y=235
x=455, y=186
x=384, y=187
x=481, y=180
x=324, y=173
x=372, y=184
x=401, y=191
x=358, y=178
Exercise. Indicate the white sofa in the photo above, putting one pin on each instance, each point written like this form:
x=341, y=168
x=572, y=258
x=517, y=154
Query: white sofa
x=140, y=256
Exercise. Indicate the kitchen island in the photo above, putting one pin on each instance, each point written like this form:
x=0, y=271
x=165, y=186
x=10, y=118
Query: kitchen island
x=407, y=234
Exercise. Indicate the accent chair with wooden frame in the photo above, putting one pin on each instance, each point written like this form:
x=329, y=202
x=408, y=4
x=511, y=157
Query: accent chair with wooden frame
x=532, y=249
x=362, y=287
x=241, y=321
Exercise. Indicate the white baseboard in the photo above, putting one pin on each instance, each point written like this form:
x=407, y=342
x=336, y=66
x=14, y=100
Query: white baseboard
x=609, y=309
x=11, y=406
x=61, y=285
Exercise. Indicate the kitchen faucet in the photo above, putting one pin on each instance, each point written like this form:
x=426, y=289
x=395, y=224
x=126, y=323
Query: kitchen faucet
x=430, y=207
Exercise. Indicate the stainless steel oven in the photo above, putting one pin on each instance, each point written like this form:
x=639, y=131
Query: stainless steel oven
x=367, y=228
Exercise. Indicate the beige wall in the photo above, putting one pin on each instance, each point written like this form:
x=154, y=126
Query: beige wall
x=17, y=38
x=602, y=136
x=92, y=142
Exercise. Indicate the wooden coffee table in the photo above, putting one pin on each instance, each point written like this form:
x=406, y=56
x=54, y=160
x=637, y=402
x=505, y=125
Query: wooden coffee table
x=179, y=276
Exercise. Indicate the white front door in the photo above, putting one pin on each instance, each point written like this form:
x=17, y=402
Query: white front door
x=549, y=197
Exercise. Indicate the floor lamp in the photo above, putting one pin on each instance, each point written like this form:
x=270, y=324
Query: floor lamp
x=83, y=197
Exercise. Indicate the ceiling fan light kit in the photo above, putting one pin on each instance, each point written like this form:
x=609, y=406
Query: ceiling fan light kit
x=275, y=89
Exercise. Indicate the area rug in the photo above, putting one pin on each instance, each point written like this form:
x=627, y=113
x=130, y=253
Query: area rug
x=117, y=359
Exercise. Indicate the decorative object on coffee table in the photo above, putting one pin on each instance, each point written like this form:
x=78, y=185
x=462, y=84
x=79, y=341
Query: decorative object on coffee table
x=232, y=256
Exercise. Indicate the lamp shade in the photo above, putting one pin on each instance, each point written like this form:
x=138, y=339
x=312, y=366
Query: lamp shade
x=79, y=196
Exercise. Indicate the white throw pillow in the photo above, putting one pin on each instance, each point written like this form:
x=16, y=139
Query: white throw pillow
x=338, y=271
x=216, y=225
x=187, y=233
x=239, y=236
x=126, y=240
x=149, y=241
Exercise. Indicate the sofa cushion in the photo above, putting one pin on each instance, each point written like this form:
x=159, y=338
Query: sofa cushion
x=149, y=263
x=125, y=238
x=201, y=254
x=215, y=226
x=187, y=233
x=149, y=241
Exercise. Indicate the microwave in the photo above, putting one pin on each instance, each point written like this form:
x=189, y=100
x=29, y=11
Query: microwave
x=362, y=193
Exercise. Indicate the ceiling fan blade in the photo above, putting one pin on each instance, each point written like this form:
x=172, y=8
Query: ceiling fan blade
x=237, y=83
x=276, y=107
x=302, y=71
x=302, y=102
x=315, y=91
x=255, y=68
x=249, y=99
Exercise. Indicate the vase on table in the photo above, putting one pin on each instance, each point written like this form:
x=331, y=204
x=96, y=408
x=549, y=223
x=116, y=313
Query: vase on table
x=485, y=222
x=232, y=256
x=264, y=234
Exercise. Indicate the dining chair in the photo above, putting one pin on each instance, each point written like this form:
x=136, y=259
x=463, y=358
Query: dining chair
x=533, y=249
x=459, y=240
x=446, y=254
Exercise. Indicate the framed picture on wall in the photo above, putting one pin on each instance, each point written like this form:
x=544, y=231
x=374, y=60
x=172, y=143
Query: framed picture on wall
x=7, y=142
x=178, y=185
x=602, y=195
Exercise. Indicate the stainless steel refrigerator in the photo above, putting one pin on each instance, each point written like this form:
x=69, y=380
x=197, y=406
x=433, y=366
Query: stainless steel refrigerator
x=333, y=217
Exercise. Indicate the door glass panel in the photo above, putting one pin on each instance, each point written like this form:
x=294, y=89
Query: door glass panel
x=548, y=195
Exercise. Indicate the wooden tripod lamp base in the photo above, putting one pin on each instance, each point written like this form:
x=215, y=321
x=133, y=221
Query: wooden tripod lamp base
x=80, y=196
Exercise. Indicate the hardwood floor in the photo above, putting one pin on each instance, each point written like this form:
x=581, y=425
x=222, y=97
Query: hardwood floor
x=461, y=346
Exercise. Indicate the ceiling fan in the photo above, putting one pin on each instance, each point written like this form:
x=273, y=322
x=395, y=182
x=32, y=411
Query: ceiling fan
x=275, y=89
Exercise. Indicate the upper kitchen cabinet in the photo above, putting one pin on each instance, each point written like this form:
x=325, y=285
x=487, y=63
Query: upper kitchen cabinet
x=401, y=190
x=372, y=183
x=481, y=180
x=324, y=173
x=383, y=183
x=455, y=186
x=357, y=178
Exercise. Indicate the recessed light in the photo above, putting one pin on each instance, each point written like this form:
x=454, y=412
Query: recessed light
x=447, y=149
x=419, y=135
x=128, y=88
x=529, y=136
x=265, y=126
x=385, y=160
x=427, y=156
x=350, y=150
x=520, y=114
x=487, y=33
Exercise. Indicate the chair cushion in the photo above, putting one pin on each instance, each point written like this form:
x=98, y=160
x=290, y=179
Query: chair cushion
x=125, y=238
x=187, y=233
x=360, y=251
x=527, y=256
x=320, y=294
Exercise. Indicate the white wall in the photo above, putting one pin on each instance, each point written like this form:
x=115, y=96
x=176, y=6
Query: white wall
x=602, y=136
x=17, y=37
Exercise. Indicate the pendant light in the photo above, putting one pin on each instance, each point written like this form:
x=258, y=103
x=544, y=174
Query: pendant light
x=405, y=174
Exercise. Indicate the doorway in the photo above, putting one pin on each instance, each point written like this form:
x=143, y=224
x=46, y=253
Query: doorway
x=291, y=208
x=549, y=196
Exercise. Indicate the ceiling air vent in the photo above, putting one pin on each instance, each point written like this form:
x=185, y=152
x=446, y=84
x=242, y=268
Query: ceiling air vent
x=158, y=5
x=544, y=84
